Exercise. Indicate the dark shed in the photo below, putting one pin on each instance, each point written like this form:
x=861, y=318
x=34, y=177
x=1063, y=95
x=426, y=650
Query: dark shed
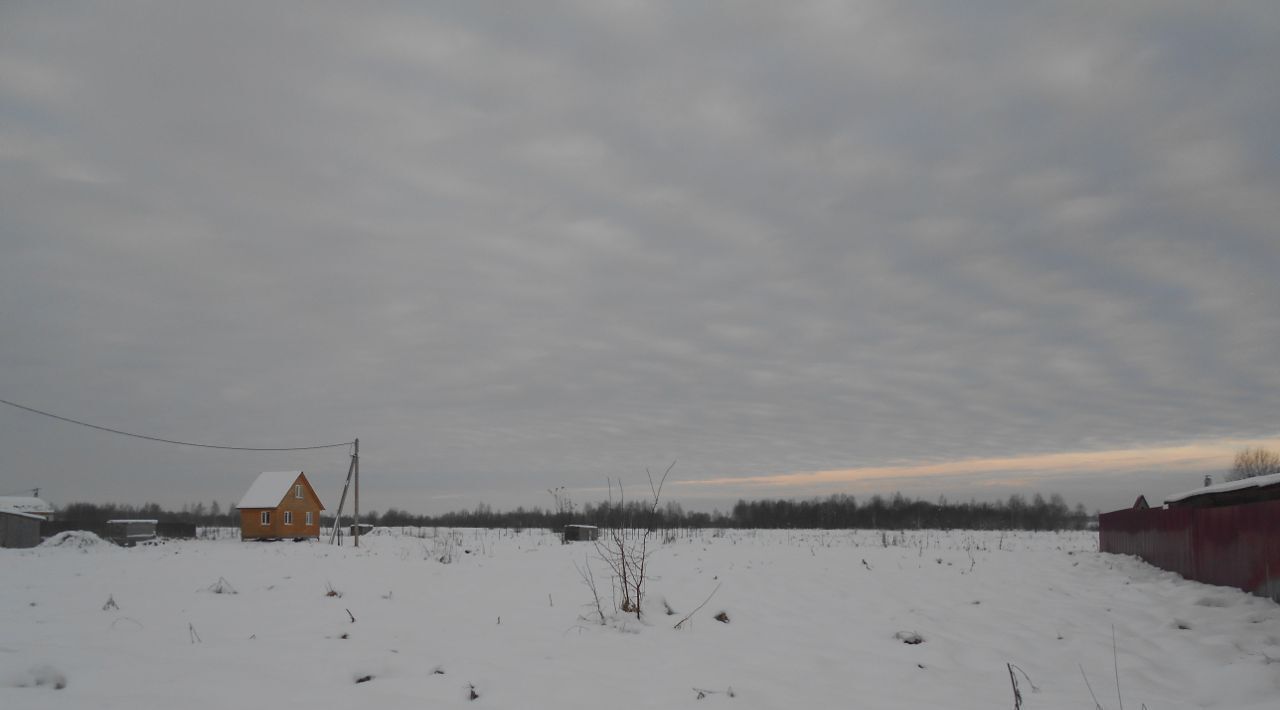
x=581, y=533
x=19, y=529
x=1258, y=489
x=128, y=533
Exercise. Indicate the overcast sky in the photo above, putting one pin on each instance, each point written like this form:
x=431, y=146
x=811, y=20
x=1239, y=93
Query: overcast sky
x=968, y=249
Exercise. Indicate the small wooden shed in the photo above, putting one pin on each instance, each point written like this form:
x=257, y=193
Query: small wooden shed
x=18, y=529
x=128, y=533
x=279, y=505
x=581, y=533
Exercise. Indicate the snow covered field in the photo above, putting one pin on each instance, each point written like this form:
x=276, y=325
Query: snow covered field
x=816, y=620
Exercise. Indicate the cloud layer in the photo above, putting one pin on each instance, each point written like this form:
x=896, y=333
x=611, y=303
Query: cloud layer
x=514, y=248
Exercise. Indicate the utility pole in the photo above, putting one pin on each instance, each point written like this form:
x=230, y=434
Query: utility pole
x=352, y=472
x=355, y=458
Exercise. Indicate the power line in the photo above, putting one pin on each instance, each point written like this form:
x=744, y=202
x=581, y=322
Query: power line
x=171, y=441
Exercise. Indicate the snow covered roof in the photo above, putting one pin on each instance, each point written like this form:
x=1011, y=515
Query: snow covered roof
x=1255, y=482
x=268, y=489
x=25, y=504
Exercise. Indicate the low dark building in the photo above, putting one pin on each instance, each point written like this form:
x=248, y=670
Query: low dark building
x=119, y=531
x=19, y=530
x=128, y=533
x=365, y=529
x=1248, y=490
x=581, y=533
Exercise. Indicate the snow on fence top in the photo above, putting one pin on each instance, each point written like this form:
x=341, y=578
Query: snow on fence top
x=268, y=489
x=1255, y=482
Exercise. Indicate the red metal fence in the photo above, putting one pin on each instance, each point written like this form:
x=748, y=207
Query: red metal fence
x=1235, y=546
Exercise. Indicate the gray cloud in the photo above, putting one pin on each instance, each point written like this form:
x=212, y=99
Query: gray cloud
x=513, y=249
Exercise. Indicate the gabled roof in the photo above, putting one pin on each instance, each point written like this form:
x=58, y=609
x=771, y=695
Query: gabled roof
x=268, y=489
x=1255, y=482
x=25, y=504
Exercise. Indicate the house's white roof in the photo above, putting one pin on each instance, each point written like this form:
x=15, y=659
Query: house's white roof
x=268, y=489
x=16, y=514
x=1255, y=482
x=25, y=504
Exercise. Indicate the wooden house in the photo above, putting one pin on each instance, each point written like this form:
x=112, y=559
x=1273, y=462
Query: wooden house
x=279, y=505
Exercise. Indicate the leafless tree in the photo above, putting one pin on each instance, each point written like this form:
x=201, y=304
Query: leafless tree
x=563, y=511
x=1254, y=462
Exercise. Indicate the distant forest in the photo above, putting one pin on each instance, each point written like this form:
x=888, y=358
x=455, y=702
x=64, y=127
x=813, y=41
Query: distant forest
x=835, y=512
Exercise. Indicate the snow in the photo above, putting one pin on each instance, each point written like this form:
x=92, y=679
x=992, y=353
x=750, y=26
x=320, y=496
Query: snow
x=817, y=619
x=25, y=504
x=1255, y=482
x=76, y=539
x=268, y=489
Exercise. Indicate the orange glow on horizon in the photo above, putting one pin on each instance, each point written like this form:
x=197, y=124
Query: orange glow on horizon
x=1198, y=455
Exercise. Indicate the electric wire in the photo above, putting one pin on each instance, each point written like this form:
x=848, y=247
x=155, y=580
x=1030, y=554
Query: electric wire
x=172, y=441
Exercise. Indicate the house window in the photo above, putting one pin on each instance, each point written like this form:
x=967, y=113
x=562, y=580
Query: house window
x=309, y=518
x=266, y=517
x=297, y=491
x=288, y=517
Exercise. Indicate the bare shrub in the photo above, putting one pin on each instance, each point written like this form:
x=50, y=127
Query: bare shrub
x=222, y=586
x=626, y=551
x=589, y=579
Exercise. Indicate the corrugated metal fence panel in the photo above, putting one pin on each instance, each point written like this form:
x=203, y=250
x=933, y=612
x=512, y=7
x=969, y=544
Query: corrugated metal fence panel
x=1236, y=546
x=1239, y=546
x=1161, y=537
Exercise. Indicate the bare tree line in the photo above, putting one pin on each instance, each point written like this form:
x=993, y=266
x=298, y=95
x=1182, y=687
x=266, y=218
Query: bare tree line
x=833, y=512
x=1254, y=462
